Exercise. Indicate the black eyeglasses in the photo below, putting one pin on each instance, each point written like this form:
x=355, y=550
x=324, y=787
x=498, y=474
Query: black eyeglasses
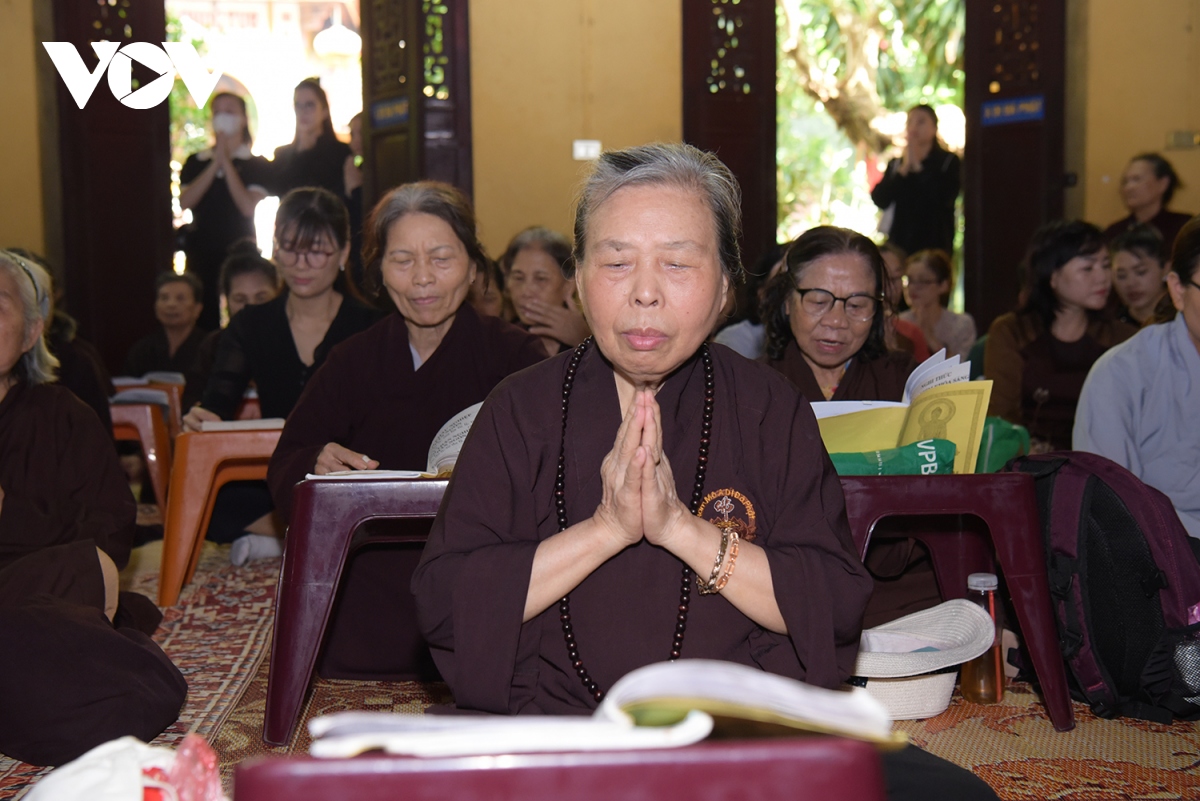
x=1192, y=281
x=818, y=302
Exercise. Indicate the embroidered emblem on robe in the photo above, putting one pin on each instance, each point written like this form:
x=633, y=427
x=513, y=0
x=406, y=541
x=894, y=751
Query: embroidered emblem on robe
x=728, y=508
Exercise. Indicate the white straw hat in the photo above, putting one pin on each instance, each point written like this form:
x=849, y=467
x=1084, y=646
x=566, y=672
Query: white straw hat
x=899, y=659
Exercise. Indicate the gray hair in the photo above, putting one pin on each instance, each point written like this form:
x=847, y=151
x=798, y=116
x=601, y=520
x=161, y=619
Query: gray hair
x=667, y=164
x=38, y=364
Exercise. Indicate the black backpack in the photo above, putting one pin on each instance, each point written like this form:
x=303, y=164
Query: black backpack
x=1125, y=585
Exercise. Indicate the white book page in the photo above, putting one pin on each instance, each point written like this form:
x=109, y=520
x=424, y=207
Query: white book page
x=367, y=475
x=444, y=450
x=823, y=409
x=855, y=712
x=265, y=424
x=948, y=374
x=346, y=734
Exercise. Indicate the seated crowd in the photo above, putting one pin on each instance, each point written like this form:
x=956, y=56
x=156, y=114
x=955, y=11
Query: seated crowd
x=626, y=379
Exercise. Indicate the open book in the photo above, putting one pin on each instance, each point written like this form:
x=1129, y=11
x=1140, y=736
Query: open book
x=939, y=403
x=443, y=452
x=657, y=706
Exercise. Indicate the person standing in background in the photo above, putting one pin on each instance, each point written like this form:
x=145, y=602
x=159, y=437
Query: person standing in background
x=315, y=157
x=919, y=189
x=222, y=186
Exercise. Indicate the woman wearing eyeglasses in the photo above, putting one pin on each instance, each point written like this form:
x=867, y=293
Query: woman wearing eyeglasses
x=280, y=344
x=825, y=321
x=825, y=332
x=928, y=281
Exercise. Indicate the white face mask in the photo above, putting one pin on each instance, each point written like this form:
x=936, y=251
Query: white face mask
x=227, y=124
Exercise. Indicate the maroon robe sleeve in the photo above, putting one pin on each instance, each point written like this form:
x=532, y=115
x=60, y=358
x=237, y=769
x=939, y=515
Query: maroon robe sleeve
x=820, y=584
x=471, y=584
x=89, y=496
x=321, y=416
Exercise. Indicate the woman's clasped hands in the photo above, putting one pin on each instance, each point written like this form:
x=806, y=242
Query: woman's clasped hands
x=639, y=498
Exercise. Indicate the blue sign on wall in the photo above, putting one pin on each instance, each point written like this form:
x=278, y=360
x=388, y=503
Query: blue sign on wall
x=1014, y=109
x=385, y=113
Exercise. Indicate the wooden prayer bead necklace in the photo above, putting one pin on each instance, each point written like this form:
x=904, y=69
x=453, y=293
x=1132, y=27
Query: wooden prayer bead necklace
x=560, y=502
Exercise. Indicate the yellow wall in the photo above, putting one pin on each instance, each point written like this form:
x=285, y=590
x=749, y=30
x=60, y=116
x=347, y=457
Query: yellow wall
x=546, y=72
x=1143, y=82
x=20, y=154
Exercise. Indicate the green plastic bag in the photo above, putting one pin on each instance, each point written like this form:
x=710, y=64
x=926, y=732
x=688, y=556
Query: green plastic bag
x=928, y=457
x=1002, y=441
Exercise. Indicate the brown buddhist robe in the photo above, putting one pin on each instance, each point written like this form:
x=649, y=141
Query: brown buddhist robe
x=904, y=579
x=766, y=459
x=367, y=397
x=69, y=680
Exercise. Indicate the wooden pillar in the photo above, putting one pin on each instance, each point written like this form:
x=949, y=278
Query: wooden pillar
x=1015, y=110
x=116, y=183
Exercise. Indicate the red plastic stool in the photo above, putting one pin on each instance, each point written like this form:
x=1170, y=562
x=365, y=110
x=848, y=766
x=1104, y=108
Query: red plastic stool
x=1006, y=503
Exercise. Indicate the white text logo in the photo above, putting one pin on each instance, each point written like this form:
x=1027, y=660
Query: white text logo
x=172, y=57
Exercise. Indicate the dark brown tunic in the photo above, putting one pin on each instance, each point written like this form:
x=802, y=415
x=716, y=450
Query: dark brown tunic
x=152, y=354
x=766, y=456
x=1168, y=224
x=878, y=379
x=60, y=476
x=368, y=398
x=1036, y=378
x=904, y=580
x=69, y=680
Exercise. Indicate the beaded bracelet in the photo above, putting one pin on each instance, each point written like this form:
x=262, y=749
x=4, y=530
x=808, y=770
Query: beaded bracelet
x=733, y=553
x=710, y=587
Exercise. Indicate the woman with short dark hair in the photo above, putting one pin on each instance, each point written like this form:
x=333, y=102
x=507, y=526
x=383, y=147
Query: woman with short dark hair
x=383, y=395
x=1140, y=263
x=825, y=320
x=1147, y=186
x=1039, y=356
x=279, y=345
x=178, y=303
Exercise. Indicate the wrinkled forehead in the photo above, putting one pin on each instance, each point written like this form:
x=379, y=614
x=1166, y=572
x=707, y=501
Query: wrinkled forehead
x=676, y=216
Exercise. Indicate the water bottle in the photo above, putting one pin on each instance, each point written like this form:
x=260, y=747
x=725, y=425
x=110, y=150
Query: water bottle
x=982, y=679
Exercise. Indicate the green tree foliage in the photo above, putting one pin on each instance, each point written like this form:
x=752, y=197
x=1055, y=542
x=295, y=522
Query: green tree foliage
x=844, y=65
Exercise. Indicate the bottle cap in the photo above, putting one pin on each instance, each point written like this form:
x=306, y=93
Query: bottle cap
x=982, y=582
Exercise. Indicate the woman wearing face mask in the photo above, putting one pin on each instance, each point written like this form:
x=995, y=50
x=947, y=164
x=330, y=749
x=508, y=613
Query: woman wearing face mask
x=920, y=187
x=221, y=186
x=316, y=157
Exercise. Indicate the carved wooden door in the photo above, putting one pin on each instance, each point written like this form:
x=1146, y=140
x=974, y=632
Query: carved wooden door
x=729, y=102
x=416, y=93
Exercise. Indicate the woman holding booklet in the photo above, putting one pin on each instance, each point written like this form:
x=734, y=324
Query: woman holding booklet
x=645, y=496
x=381, y=396
x=825, y=320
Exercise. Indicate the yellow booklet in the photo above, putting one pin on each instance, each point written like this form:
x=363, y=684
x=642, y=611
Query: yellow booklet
x=943, y=405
